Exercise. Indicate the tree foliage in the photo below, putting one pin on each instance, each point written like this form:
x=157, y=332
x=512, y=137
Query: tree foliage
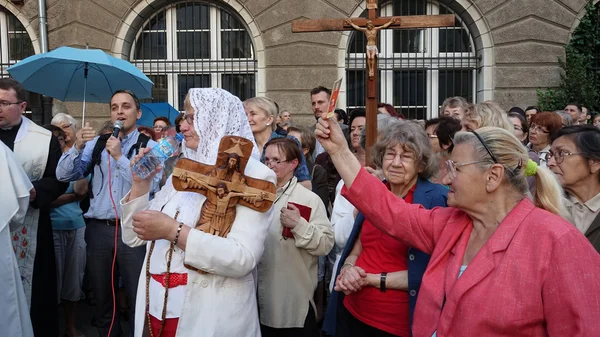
x=580, y=71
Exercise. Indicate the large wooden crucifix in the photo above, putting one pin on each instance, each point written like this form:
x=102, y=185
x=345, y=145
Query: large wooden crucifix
x=370, y=26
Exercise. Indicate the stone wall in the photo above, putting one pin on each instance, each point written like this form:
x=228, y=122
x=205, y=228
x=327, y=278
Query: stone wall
x=527, y=37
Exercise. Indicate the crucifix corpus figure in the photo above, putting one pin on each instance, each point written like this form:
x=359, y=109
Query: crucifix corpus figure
x=224, y=186
x=371, y=33
x=370, y=26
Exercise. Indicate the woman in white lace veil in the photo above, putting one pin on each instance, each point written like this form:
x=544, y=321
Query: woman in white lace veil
x=197, y=303
x=216, y=114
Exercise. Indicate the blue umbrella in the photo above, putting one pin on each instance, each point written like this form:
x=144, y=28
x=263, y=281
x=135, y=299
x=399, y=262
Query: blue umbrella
x=64, y=73
x=152, y=110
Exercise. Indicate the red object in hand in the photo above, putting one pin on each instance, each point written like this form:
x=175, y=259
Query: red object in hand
x=305, y=212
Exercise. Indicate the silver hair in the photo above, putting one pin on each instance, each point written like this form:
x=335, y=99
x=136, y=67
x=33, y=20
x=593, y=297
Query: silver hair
x=267, y=105
x=413, y=138
x=62, y=117
x=383, y=121
x=566, y=118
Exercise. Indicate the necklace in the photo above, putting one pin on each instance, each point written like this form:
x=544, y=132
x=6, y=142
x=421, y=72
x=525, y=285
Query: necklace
x=167, y=281
x=282, y=193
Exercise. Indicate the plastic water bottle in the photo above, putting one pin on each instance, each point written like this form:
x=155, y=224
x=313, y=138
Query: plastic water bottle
x=157, y=156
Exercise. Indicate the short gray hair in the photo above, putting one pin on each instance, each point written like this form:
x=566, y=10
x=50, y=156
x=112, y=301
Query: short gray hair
x=62, y=117
x=411, y=137
x=566, y=118
x=383, y=121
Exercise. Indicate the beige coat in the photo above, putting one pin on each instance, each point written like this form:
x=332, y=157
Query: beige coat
x=287, y=273
x=221, y=303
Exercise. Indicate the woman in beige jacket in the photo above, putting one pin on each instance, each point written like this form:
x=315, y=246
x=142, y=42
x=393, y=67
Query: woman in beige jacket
x=299, y=233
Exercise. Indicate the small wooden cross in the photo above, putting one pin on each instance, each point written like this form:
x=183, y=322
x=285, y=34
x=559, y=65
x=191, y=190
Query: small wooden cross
x=370, y=25
x=224, y=185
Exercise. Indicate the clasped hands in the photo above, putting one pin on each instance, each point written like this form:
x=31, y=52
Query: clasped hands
x=351, y=279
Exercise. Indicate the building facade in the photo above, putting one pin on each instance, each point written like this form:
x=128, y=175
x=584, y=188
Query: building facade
x=498, y=49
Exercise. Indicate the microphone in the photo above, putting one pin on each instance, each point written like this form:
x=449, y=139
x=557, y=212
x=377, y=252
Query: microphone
x=117, y=128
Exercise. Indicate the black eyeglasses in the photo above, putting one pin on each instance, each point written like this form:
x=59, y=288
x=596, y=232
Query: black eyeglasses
x=486, y=148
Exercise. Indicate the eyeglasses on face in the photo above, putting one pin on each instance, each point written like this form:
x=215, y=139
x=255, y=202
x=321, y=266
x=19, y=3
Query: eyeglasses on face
x=537, y=128
x=273, y=162
x=451, y=166
x=4, y=104
x=405, y=157
x=559, y=156
x=189, y=118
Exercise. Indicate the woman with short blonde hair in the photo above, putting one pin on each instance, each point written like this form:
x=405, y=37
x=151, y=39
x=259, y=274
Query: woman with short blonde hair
x=486, y=114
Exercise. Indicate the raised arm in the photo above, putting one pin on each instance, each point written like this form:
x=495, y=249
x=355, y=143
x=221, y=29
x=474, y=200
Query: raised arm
x=349, y=22
x=418, y=227
x=392, y=21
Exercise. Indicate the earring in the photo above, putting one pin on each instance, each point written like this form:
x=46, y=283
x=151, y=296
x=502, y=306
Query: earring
x=268, y=124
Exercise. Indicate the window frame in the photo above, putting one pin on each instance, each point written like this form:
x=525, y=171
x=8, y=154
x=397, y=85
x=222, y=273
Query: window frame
x=215, y=67
x=413, y=61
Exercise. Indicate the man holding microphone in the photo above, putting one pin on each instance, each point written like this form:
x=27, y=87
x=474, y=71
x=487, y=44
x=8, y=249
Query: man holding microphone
x=107, y=159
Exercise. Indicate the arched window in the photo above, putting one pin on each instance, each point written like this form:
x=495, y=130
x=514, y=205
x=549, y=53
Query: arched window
x=15, y=43
x=418, y=68
x=195, y=44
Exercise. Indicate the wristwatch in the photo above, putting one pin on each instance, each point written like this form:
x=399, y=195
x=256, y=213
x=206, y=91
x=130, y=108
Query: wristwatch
x=382, y=279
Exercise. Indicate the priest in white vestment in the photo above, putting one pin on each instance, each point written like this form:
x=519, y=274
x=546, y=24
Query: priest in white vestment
x=14, y=201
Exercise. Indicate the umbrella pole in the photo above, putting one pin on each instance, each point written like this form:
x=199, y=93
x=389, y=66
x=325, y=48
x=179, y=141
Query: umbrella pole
x=85, y=76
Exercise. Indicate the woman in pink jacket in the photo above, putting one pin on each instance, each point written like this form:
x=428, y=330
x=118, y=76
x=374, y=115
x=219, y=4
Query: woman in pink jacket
x=501, y=264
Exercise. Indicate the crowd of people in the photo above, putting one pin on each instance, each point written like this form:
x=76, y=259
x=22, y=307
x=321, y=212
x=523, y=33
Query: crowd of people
x=479, y=222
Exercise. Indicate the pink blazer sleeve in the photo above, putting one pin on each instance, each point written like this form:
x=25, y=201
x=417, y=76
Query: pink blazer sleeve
x=417, y=226
x=570, y=289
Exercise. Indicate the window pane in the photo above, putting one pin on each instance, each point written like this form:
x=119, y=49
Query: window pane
x=409, y=7
x=409, y=41
x=151, y=46
x=455, y=82
x=236, y=44
x=454, y=41
x=191, y=81
x=241, y=85
x=355, y=88
x=230, y=22
x=193, y=45
x=409, y=88
x=193, y=16
x=413, y=113
x=19, y=44
x=157, y=22
x=160, y=90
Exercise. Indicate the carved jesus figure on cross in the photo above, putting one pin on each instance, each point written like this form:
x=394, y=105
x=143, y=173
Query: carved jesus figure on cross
x=371, y=33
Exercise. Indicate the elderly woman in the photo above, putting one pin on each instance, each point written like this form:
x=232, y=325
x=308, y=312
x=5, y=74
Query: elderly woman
x=343, y=213
x=68, y=232
x=194, y=283
x=501, y=264
x=454, y=107
x=574, y=157
x=69, y=125
x=389, y=271
x=298, y=234
x=261, y=113
x=441, y=132
x=543, y=126
x=485, y=114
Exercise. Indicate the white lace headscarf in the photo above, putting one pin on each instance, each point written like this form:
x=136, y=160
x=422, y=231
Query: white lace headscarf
x=217, y=113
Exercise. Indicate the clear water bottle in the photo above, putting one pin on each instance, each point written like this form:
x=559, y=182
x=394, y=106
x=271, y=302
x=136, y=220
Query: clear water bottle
x=166, y=148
